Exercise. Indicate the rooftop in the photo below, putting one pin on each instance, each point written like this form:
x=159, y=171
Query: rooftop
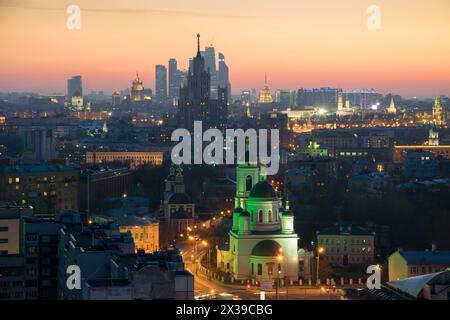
x=426, y=257
x=345, y=229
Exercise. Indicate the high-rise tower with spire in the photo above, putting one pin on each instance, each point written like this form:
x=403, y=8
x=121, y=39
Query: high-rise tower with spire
x=392, y=109
x=264, y=95
x=439, y=114
x=196, y=103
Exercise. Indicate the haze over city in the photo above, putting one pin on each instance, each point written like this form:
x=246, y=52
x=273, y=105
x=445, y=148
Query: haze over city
x=297, y=43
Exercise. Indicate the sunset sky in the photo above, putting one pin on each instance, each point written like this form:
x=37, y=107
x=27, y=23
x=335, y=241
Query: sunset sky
x=299, y=43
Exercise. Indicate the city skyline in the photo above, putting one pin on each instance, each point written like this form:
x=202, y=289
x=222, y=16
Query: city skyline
x=297, y=44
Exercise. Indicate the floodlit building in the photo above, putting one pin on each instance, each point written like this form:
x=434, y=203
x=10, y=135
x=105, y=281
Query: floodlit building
x=346, y=244
x=133, y=158
x=144, y=232
x=262, y=241
x=138, y=92
x=264, y=95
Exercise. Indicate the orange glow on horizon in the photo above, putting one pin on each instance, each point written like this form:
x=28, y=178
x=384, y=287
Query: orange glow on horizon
x=298, y=43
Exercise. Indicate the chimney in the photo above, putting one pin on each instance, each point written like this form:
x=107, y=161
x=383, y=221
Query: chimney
x=433, y=247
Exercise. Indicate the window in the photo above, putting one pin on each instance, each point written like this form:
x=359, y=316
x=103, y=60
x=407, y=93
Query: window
x=270, y=216
x=248, y=183
x=260, y=216
x=3, y=240
x=253, y=269
x=32, y=237
x=3, y=229
x=259, y=269
x=270, y=269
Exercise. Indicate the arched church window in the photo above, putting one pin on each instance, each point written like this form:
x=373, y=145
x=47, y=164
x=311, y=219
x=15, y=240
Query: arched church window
x=248, y=183
x=260, y=216
x=270, y=216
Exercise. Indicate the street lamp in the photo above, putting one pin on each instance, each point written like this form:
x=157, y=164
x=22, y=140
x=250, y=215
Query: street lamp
x=209, y=252
x=320, y=250
x=279, y=258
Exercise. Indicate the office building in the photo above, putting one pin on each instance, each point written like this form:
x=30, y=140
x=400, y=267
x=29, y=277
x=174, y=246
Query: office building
x=132, y=159
x=284, y=98
x=439, y=113
x=98, y=183
x=74, y=85
x=160, y=83
x=210, y=66
x=174, y=79
x=326, y=98
x=116, y=99
x=223, y=78
x=49, y=189
x=419, y=164
x=40, y=142
x=346, y=244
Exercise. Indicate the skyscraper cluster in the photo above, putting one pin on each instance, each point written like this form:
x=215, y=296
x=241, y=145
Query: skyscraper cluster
x=168, y=81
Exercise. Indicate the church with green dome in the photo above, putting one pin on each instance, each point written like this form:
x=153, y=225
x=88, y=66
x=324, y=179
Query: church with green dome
x=262, y=241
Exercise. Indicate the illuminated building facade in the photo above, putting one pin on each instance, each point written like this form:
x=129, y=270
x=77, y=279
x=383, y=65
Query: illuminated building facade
x=433, y=137
x=439, y=113
x=262, y=241
x=133, y=158
x=77, y=100
x=345, y=244
x=138, y=92
x=392, y=109
x=178, y=207
x=145, y=234
x=264, y=95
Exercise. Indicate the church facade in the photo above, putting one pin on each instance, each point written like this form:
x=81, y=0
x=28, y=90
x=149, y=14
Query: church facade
x=262, y=241
x=178, y=207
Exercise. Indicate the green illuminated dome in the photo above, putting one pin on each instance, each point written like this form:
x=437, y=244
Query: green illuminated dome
x=266, y=248
x=262, y=189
